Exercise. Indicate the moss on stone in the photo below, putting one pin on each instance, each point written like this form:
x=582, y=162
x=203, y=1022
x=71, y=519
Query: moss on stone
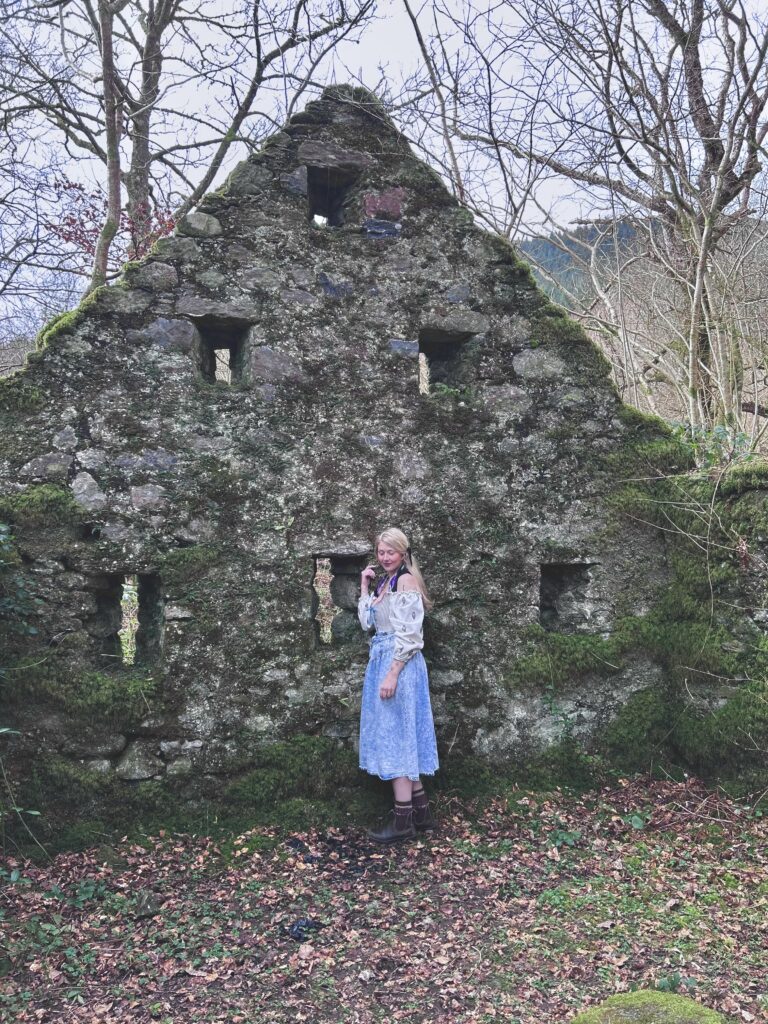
x=557, y=658
x=184, y=565
x=552, y=327
x=649, y=452
x=120, y=698
x=40, y=505
x=76, y=803
x=564, y=765
x=745, y=476
x=681, y=630
x=648, y=1007
x=311, y=767
x=695, y=630
x=747, y=515
x=639, y=736
x=643, y=423
x=470, y=776
x=734, y=735
x=67, y=322
x=18, y=395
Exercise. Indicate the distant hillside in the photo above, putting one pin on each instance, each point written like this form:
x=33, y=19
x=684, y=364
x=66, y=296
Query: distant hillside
x=562, y=256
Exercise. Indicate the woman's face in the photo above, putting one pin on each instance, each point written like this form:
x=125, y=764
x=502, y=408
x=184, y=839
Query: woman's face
x=389, y=559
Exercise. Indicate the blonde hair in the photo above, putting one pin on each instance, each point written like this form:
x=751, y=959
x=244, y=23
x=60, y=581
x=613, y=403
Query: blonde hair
x=396, y=539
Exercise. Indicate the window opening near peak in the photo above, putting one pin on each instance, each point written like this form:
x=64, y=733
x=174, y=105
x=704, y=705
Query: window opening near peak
x=222, y=350
x=328, y=189
x=442, y=357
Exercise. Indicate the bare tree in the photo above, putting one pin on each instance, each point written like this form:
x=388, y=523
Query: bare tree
x=655, y=112
x=152, y=99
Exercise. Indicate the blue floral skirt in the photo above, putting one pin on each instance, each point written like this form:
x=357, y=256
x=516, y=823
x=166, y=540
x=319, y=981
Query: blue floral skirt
x=397, y=735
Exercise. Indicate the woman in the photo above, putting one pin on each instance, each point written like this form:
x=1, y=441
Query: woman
x=397, y=734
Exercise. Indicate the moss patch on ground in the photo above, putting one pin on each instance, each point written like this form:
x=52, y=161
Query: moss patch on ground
x=649, y=1008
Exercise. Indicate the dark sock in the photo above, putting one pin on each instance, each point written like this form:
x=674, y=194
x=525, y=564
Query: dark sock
x=403, y=814
x=420, y=800
x=420, y=803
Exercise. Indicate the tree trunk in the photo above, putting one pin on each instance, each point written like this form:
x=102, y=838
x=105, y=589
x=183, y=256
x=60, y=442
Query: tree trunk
x=136, y=179
x=113, y=119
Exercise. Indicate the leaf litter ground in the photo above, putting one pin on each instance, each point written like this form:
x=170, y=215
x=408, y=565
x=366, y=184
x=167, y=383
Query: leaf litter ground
x=525, y=910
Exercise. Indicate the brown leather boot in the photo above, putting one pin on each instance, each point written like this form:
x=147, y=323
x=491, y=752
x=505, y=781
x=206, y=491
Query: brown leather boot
x=397, y=827
x=425, y=821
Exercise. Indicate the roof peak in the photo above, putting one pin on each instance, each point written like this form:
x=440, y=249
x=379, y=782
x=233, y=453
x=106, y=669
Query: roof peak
x=344, y=105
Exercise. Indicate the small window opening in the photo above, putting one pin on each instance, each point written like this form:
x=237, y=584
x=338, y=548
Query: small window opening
x=222, y=351
x=132, y=611
x=335, y=592
x=442, y=358
x=564, y=603
x=328, y=189
x=324, y=610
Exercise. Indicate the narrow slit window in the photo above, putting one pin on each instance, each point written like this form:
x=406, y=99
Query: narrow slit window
x=442, y=358
x=222, y=351
x=129, y=619
x=131, y=613
x=323, y=608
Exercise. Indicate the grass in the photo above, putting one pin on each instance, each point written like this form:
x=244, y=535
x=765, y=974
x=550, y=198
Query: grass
x=530, y=908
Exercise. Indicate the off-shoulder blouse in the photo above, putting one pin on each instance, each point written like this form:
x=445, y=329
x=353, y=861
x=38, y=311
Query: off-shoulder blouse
x=401, y=614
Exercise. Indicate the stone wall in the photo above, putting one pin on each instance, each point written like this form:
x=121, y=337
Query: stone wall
x=249, y=400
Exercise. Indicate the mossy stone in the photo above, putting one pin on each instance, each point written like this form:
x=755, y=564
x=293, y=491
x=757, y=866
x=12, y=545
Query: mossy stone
x=745, y=476
x=40, y=506
x=649, y=1008
x=638, y=734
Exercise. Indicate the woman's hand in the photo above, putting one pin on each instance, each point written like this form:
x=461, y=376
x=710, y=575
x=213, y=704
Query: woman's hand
x=368, y=574
x=388, y=685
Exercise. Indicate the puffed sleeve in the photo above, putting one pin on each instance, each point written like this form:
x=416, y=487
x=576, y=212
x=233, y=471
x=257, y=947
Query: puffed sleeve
x=364, y=612
x=406, y=611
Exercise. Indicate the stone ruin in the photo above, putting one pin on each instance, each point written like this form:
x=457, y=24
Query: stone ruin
x=327, y=346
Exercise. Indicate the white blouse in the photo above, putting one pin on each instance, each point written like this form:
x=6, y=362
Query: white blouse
x=401, y=614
